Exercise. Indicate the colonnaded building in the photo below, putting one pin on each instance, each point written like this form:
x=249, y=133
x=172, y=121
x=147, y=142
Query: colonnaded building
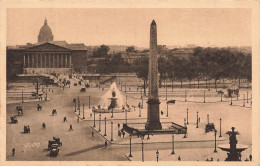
x=47, y=56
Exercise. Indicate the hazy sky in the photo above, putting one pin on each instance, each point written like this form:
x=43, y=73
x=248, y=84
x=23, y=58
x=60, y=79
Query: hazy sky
x=221, y=27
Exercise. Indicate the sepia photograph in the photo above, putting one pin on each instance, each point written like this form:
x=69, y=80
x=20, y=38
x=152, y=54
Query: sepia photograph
x=129, y=84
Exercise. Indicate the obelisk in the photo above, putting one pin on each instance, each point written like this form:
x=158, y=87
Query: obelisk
x=153, y=115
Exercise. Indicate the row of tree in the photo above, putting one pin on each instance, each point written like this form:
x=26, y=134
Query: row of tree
x=204, y=64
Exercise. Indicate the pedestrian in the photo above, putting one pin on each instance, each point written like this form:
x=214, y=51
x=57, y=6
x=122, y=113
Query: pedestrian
x=65, y=119
x=250, y=157
x=118, y=125
x=43, y=125
x=52, y=90
x=106, y=143
x=179, y=158
x=13, y=151
x=211, y=159
x=70, y=127
x=92, y=133
x=90, y=115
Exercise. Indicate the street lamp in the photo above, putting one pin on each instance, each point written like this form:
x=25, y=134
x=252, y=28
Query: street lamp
x=208, y=118
x=157, y=155
x=221, y=96
x=130, y=155
x=243, y=100
x=75, y=105
x=197, y=119
x=142, y=151
x=185, y=96
x=89, y=101
x=231, y=100
x=167, y=111
x=105, y=126
x=94, y=119
x=22, y=96
x=247, y=97
x=166, y=92
x=111, y=132
x=215, y=151
x=83, y=112
x=220, y=128
x=126, y=100
x=172, y=144
x=204, y=96
x=99, y=122
x=187, y=116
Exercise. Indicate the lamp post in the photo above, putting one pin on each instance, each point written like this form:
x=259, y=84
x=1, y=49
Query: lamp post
x=142, y=151
x=130, y=155
x=142, y=103
x=167, y=111
x=166, y=92
x=125, y=116
x=22, y=96
x=94, y=119
x=247, y=97
x=79, y=108
x=157, y=155
x=215, y=151
x=185, y=136
x=112, y=113
x=243, y=100
x=204, y=97
x=221, y=96
x=126, y=100
x=75, y=106
x=172, y=145
x=231, y=100
x=83, y=112
x=187, y=116
x=185, y=96
x=46, y=94
x=99, y=123
x=197, y=119
x=89, y=101
x=220, y=127
x=139, y=111
x=111, y=132
x=208, y=118
x=105, y=126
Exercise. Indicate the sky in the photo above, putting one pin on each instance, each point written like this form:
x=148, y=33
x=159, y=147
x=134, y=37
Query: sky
x=96, y=26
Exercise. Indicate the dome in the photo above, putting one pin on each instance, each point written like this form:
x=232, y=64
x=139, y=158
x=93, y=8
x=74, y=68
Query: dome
x=45, y=34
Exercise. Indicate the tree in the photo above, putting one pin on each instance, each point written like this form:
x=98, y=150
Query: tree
x=142, y=70
x=102, y=51
x=130, y=49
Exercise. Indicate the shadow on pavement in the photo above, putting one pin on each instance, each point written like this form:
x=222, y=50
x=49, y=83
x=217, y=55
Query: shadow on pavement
x=85, y=150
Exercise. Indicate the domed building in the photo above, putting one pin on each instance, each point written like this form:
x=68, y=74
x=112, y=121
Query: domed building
x=45, y=34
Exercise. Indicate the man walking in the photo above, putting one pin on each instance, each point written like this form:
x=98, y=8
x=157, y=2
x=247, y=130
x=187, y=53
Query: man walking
x=13, y=151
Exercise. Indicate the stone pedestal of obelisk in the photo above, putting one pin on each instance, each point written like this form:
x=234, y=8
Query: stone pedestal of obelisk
x=153, y=114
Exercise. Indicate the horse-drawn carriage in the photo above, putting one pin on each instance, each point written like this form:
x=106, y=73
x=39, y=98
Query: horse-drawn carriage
x=39, y=107
x=83, y=90
x=54, y=112
x=26, y=129
x=13, y=119
x=19, y=110
x=209, y=127
x=54, y=150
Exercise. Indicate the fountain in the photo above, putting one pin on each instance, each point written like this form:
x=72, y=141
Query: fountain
x=234, y=150
x=112, y=101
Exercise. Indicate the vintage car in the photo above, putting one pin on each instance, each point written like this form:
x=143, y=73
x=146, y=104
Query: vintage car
x=19, y=110
x=13, y=119
x=209, y=127
x=39, y=107
x=54, y=150
x=26, y=129
x=83, y=90
x=171, y=101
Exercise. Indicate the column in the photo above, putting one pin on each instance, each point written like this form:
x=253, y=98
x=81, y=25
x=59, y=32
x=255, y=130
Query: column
x=41, y=60
x=58, y=60
x=36, y=57
x=24, y=61
x=62, y=63
x=53, y=62
x=45, y=58
x=66, y=65
x=49, y=64
x=32, y=60
x=70, y=62
x=28, y=60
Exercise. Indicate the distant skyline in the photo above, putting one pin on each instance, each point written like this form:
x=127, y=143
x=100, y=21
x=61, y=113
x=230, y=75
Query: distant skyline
x=175, y=26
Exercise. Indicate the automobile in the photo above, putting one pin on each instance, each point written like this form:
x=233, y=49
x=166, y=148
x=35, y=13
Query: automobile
x=83, y=90
x=57, y=140
x=26, y=129
x=171, y=101
x=13, y=119
x=19, y=110
x=209, y=127
x=54, y=150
